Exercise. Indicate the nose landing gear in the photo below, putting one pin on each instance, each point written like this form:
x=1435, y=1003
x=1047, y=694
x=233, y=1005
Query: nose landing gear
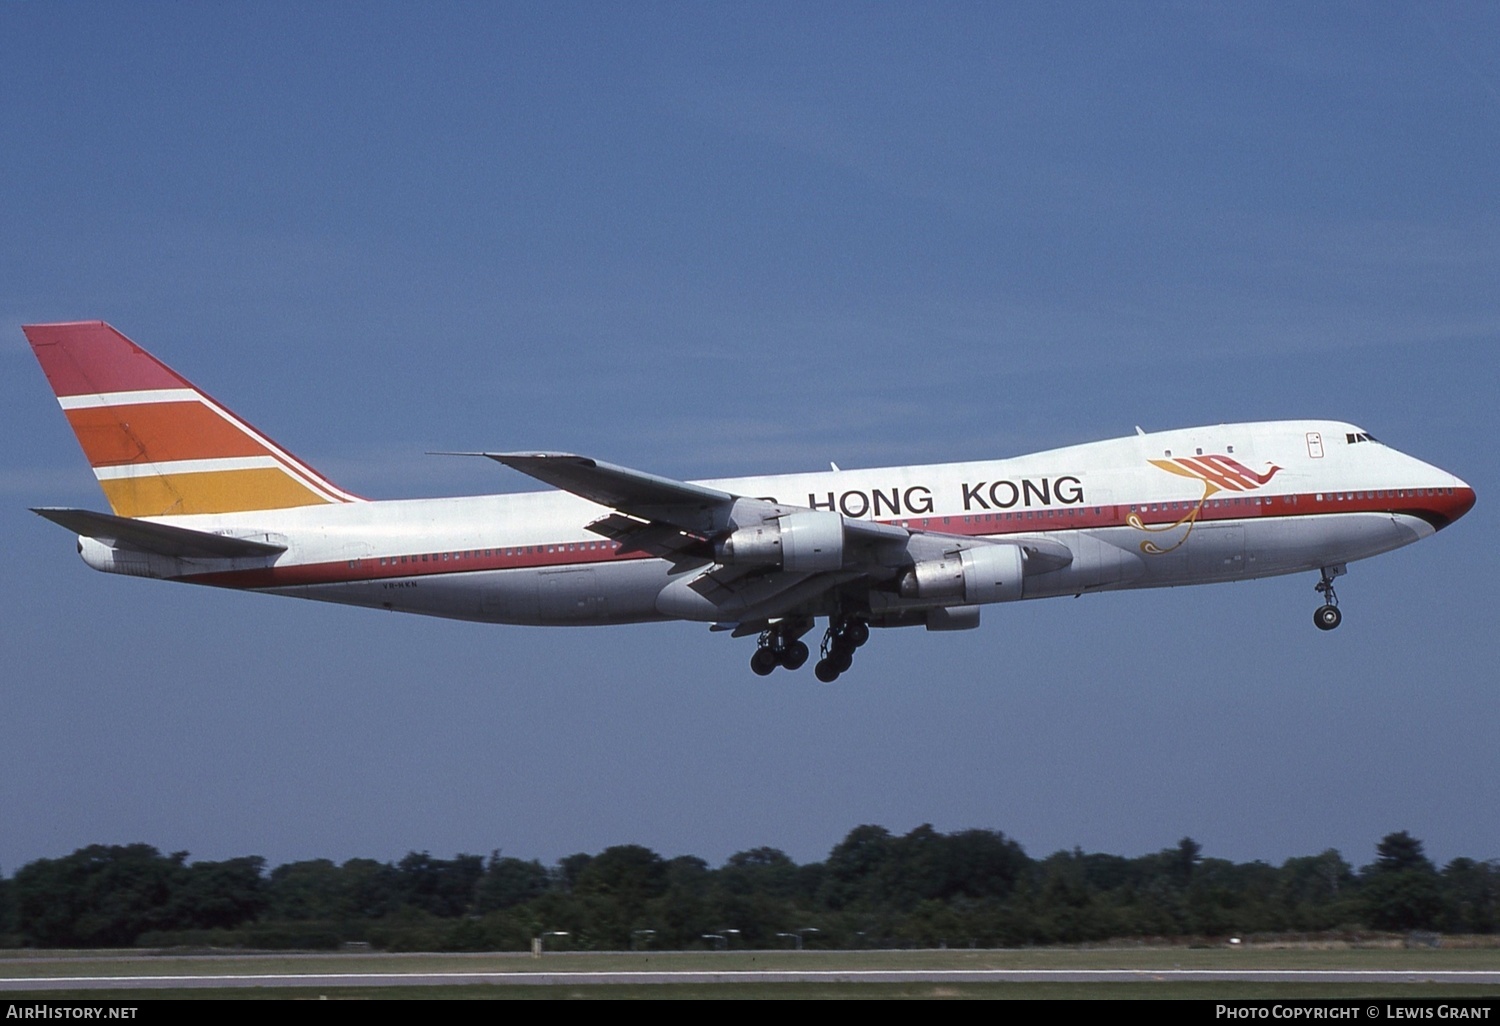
x=1327, y=616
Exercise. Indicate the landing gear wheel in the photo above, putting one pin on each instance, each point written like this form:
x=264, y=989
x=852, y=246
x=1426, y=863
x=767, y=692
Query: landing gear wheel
x=1327, y=616
x=844, y=635
x=779, y=645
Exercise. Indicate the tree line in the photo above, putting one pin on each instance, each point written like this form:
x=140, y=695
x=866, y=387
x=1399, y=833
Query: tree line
x=875, y=889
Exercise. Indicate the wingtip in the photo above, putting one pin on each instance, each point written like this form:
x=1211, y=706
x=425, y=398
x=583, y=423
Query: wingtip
x=548, y=456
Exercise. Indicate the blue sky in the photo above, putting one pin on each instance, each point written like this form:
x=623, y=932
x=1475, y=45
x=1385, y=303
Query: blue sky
x=718, y=239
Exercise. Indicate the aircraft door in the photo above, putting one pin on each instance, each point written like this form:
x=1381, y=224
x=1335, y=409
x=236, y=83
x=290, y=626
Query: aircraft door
x=571, y=596
x=1216, y=550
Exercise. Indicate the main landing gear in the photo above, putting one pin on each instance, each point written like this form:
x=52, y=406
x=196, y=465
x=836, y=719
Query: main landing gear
x=779, y=646
x=1327, y=616
x=844, y=635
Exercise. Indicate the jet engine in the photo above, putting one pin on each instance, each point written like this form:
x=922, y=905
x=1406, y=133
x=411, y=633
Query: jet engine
x=988, y=573
x=806, y=542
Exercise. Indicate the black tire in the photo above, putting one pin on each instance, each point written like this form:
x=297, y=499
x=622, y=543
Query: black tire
x=1327, y=617
x=794, y=655
x=825, y=671
x=763, y=662
x=842, y=659
x=858, y=633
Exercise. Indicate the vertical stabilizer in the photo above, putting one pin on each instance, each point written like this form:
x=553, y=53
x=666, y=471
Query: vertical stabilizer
x=158, y=445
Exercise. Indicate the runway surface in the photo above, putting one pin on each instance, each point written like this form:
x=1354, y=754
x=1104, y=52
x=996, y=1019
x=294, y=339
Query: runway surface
x=586, y=978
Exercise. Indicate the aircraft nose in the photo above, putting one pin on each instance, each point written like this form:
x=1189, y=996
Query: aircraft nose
x=1463, y=500
x=1445, y=505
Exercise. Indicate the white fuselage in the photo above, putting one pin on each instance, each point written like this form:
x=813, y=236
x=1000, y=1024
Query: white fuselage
x=1135, y=512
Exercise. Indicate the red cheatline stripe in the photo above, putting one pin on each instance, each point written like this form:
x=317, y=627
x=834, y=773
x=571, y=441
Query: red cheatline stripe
x=1436, y=506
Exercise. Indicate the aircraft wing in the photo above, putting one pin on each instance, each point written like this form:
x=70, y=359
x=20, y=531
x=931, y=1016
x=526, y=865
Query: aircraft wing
x=653, y=511
x=648, y=496
x=635, y=492
x=686, y=524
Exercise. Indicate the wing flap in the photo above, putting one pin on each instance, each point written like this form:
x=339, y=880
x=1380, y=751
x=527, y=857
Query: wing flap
x=653, y=538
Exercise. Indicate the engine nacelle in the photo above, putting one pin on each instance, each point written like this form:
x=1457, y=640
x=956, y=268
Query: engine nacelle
x=989, y=573
x=952, y=618
x=808, y=542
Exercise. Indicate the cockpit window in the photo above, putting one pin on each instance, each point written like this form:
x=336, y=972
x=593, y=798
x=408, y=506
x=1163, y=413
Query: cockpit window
x=1363, y=436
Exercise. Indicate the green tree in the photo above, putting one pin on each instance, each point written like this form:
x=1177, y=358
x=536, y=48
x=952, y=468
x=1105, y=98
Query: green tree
x=1400, y=852
x=441, y=887
x=371, y=889
x=683, y=911
x=617, y=886
x=1400, y=889
x=1183, y=859
x=1472, y=896
x=99, y=896
x=1317, y=892
x=7, y=910
x=1067, y=907
x=570, y=868
x=855, y=864
x=981, y=864
x=767, y=871
x=312, y=890
x=509, y=882
x=219, y=895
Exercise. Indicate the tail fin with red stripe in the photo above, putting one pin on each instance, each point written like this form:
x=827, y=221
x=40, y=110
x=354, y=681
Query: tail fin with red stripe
x=158, y=445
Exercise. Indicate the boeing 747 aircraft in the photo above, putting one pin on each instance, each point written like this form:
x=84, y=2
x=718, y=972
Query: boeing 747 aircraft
x=198, y=495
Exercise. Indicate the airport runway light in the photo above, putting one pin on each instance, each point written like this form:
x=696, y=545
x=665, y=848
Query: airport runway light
x=798, y=935
x=539, y=942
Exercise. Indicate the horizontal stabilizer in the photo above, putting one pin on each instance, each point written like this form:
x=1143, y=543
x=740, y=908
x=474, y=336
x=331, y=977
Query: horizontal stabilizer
x=123, y=532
